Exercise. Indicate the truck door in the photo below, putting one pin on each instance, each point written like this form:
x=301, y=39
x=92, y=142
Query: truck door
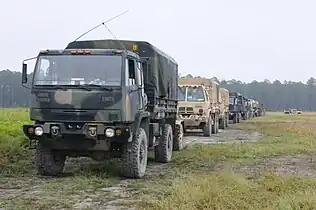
x=140, y=84
x=131, y=85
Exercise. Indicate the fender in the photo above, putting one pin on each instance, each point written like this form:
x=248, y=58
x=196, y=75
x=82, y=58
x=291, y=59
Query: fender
x=140, y=115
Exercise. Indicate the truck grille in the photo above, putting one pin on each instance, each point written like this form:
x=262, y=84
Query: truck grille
x=181, y=109
x=185, y=109
x=189, y=109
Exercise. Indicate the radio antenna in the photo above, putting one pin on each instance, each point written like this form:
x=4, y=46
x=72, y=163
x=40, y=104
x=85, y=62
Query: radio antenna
x=103, y=23
x=114, y=37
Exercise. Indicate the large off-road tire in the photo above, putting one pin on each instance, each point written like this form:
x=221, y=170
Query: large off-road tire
x=207, y=130
x=135, y=156
x=222, y=122
x=235, y=118
x=178, y=142
x=48, y=162
x=163, y=151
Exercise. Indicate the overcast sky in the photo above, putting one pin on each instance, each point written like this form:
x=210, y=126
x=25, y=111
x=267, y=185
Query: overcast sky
x=242, y=39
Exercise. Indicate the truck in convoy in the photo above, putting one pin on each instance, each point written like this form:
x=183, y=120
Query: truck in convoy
x=236, y=106
x=199, y=104
x=256, y=108
x=248, y=109
x=224, y=108
x=251, y=108
x=261, y=110
x=103, y=99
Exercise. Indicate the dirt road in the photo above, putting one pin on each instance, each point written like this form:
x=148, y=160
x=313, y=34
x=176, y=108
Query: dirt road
x=87, y=184
x=228, y=136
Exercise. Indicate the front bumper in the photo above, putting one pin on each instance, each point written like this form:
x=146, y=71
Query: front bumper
x=87, y=136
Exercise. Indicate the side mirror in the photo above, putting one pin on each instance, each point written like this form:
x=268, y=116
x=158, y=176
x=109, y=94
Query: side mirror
x=24, y=73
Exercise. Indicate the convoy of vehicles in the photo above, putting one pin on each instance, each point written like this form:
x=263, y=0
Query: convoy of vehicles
x=119, y=99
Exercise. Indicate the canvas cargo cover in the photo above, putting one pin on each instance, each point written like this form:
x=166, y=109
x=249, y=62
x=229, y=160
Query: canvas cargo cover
x=224, y=98
x=212, y=85
x=161, y=77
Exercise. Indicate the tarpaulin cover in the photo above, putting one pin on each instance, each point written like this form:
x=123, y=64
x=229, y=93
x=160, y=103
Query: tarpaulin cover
x=224, y=96
x=161, y=78
x=210, y=83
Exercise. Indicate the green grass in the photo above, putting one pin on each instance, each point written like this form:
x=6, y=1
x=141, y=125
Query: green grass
x=200, y=177
x=12, y=141
x=195, y=182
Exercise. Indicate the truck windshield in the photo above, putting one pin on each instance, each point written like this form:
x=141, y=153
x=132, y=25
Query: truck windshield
x=231, y=100
x=181, y=93
x=78, y=70
x=195, y=94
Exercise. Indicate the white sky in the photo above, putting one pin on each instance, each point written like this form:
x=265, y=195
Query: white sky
x=245, y=39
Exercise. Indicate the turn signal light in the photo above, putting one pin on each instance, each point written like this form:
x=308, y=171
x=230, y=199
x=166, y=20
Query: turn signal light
x=30, y=130
x=118, y=132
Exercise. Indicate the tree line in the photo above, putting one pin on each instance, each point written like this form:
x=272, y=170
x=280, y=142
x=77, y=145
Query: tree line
x=275, y=95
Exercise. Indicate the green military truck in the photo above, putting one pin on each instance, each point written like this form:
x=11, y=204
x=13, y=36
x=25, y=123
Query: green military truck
x=103, y=99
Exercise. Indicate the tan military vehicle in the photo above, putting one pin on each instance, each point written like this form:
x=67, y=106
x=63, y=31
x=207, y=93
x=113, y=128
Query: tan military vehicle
x=199, y=104
x=224, y=108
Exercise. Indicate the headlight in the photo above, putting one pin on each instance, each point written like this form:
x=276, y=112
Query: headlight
x=38, y=131
x=109, y=132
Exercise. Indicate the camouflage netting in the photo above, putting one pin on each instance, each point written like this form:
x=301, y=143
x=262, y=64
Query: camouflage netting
x=161, y=78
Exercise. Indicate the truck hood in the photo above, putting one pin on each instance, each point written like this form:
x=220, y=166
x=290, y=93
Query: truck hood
x=76, y=105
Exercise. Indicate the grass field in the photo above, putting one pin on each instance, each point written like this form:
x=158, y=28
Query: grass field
x=277, y=172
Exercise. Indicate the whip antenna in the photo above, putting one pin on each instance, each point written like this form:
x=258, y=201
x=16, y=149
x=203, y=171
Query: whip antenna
x=115, y=37
x=101, y=24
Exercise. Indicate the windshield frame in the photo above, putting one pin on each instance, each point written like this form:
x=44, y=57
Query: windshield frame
x=202, y=91
x=185, y=93
x=232, y=98
x=36, y=68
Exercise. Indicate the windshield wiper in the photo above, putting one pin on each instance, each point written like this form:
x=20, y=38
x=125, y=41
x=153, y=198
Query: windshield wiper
x=97, y=86
x=66, y=87
x=52, y=87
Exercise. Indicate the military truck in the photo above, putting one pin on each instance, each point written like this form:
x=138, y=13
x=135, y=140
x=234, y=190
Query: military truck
x=199, y=104
x=261, y=110
x=224, y=108
x=248, y=114
x=256, y=107
x=103, y=99
x=252, y=107
x=236, y=106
